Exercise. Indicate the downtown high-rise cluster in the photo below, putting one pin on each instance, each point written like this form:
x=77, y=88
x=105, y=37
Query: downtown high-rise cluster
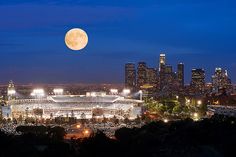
x=164, y=81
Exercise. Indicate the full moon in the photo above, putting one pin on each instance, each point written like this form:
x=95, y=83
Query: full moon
x=76, y=39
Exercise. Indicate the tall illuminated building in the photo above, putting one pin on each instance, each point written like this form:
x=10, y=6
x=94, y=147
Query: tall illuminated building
x=162, y=63
x=180, y=74
x=130, y=75
x=220, y=81
x=198, y=80
x=142, y=74
x=151, y=76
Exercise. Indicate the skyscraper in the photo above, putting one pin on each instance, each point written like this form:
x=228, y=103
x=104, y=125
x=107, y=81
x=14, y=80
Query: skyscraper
x=220, y=81
x=180, y=74
x=198, y=80
x=152, y=77
x=162, y=63
x=130, y=75
x=142, y=74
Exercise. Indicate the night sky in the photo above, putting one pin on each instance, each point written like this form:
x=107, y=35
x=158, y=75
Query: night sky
x=200, y=33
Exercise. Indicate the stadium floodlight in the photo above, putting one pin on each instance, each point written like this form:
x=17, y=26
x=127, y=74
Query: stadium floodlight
x=58, y=91
x=11, y=92
x=93, y=94
x=38, y=93
x=126, y=91
x=114, y=91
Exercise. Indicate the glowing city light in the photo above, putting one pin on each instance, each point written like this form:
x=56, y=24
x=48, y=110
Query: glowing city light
x=195, y=116
x=166, y=120
x=199, y=102
x=86, y=131
x=78, y=126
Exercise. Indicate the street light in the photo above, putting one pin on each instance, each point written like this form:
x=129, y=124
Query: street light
x=177, y=97
x=195, y=116
x=166, y=120
x=86, y=131
x=78, y=126
x=199, y=102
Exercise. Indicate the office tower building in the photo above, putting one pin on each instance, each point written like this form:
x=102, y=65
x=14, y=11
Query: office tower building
x=162, y=63
x=180, y=75
x=220, y=81
x=142, y=74
x=152, y=76
x=130, y=76
x=198, y=80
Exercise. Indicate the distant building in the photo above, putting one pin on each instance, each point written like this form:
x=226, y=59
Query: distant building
x=142, y=74
x=221, y=81
x=180, y=74
x=162, y=64
x=130, y=75
x=198, y=80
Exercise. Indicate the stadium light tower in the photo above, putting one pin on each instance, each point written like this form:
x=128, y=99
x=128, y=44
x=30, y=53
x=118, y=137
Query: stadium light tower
x=126, y=91
x=38, y=93
x=114, y=91
x=58, y=91
x=11, y=92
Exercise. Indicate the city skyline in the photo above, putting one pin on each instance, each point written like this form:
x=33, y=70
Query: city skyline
x=32, y=47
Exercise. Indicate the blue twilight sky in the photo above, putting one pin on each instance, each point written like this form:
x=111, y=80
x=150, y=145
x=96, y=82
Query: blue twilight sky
x=200, y=33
